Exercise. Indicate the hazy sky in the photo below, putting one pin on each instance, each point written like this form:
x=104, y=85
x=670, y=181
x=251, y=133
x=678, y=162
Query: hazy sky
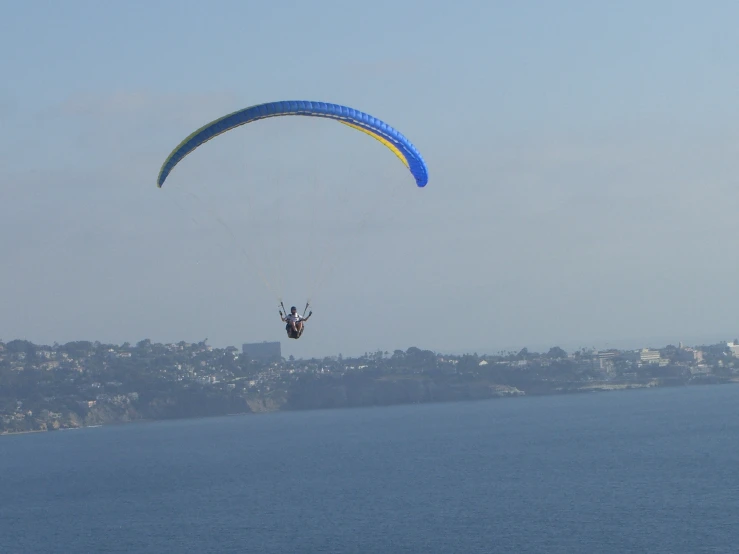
x=583, y=161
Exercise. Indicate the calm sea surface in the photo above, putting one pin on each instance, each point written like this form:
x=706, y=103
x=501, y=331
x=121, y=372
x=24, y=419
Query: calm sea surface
x=647, y=471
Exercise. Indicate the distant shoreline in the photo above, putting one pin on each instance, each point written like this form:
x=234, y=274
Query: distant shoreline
x=3, y=433
x=585, y=389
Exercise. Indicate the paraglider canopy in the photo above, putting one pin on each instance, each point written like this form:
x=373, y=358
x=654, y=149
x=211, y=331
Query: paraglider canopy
x=361, y=121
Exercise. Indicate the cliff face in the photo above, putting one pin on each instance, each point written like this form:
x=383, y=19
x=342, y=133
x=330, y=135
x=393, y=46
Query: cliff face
x=267, y=403
x=385, y=392
x=310, y=393
x=191, y=404
x=153, y=407
x=103, y=414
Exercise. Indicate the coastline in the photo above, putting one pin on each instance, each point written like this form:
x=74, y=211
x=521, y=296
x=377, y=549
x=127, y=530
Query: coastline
x=583, y=388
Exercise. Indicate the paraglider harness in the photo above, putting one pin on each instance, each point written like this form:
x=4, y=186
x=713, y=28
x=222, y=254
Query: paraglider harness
x=295, y=334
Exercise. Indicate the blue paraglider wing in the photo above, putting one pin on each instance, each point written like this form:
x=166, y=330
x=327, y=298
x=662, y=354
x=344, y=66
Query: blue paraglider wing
x=381, y=131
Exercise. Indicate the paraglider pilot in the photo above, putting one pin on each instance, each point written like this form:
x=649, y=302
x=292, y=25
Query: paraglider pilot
x=294, y=322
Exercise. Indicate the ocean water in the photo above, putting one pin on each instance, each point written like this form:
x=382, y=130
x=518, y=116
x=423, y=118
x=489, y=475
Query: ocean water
x=644, y=471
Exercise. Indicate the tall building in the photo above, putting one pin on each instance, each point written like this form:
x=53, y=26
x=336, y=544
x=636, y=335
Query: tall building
x=644, y=356
x=603, y=360
x=262, y=351
x=687, y=354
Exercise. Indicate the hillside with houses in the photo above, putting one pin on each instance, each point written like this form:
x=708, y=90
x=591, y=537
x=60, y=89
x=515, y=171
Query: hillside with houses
x=77, y=384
